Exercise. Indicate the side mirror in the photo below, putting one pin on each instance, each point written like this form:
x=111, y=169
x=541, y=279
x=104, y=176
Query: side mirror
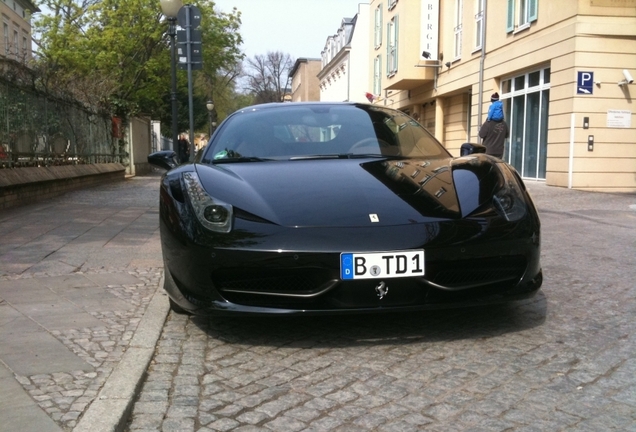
x=470, y=148
x=166, y=159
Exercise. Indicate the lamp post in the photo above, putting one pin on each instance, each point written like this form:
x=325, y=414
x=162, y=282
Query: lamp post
x=210, y=106
x=170, y=9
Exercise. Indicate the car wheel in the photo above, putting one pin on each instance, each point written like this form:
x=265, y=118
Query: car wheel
x=178, y=309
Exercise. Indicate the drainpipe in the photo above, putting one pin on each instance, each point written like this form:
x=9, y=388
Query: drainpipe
x=481, y=68
x=349, y=77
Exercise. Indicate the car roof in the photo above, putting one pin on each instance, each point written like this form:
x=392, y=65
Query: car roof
x=274, y=105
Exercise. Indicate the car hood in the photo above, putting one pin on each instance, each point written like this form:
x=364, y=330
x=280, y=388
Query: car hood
x=352, y=192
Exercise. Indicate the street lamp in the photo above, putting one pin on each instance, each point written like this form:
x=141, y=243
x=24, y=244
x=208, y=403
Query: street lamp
x=170, y=9
x=210, y=106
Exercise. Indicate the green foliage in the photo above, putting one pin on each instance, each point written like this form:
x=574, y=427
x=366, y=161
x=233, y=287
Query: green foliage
x=115, y=55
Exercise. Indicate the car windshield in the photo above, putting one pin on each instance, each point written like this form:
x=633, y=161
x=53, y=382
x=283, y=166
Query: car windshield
x=313, y=131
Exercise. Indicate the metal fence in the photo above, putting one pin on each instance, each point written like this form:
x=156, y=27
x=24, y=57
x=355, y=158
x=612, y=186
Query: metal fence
x=38, y=130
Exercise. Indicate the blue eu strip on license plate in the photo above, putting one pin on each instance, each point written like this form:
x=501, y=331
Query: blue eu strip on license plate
x=382, y=265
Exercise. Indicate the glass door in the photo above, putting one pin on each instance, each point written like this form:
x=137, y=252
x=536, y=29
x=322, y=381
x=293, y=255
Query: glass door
x=526, y=101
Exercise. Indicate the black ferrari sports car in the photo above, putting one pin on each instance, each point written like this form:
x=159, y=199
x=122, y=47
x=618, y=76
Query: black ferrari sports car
x=339, y=208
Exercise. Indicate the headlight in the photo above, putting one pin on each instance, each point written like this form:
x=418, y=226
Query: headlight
x=509, y=201
x=213, y=214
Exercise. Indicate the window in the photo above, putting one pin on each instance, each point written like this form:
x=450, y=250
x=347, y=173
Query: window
x=6, y=38
x=526, y=105
x=378, y=27
x=520, y=14
x=392, y=47
x=16, y=47
x=392, y=3
x=479, y=23
x=457, y=50
x=377, y=75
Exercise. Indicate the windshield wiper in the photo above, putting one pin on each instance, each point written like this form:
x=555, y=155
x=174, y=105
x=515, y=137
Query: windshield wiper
x=338, y=156
x=370, y=155
x=240, y=159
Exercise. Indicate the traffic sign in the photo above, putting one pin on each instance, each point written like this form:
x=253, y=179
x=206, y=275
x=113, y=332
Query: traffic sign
x=182, y=36
x=193, y=66
x=189, y=16
x=194, y=47
x=585, y=83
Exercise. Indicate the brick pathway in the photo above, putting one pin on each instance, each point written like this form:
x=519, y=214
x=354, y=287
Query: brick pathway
x=563, y=361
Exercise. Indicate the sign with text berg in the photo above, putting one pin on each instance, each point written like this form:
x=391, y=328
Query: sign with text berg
x=429, y=30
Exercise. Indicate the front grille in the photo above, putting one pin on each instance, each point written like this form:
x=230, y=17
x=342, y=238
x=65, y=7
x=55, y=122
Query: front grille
x=317, y=288
x=480, y=271
x=295, y=282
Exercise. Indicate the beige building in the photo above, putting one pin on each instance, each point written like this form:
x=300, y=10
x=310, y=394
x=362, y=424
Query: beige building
x=304, y=84
x=16, y=29
x=562, y=68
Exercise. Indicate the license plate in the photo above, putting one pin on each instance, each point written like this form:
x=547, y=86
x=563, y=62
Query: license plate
x=382, y=265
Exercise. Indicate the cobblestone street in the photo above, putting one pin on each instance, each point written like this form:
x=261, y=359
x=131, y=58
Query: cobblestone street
x=561, y=361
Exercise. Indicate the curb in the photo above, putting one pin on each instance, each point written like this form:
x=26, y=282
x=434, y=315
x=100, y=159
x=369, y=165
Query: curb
x=110, y=411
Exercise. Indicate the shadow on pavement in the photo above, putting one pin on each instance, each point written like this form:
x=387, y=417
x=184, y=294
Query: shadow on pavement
x=378, y=329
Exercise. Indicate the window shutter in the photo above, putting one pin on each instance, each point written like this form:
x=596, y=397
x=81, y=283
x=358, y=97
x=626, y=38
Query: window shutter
x=379, y=75
x=377, y=79
x=378, y=27
x=388, y=48
x=381, y=25
x=510, y=20
x=395, y=49
x=533, y=9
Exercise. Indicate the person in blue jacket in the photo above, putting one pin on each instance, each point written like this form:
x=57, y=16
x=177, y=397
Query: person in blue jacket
x=495, y=112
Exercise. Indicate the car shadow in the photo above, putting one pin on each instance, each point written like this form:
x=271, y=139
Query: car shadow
x=378, y=329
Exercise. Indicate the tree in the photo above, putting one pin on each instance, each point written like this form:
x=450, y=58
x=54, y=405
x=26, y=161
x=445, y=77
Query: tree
x=268, y=76
x=114, y=54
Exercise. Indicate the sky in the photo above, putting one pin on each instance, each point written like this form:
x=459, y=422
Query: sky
x=299, y=28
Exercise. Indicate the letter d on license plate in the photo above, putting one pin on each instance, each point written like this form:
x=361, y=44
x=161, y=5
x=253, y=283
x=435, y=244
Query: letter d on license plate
x=381, y=265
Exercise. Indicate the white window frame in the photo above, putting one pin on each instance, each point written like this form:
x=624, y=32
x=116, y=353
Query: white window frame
x=479, y=23
x=377, y=75
x=524, y=92
x=457, y=30
x=6, y=37
x=378, y=27
x=522, y=18
x=391, y=4
x=520, y=14
x=16, y=42
x=392, y=32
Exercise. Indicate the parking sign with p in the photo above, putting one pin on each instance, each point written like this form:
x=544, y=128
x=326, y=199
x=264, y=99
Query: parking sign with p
x=585, y=83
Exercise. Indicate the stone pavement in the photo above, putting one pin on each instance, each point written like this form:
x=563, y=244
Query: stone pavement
x=562, y=361
x=81, y=315
x=80, y=311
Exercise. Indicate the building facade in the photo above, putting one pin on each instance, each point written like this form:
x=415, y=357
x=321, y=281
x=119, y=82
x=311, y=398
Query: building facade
x=16, y=29
x=562, y=69
x=304, y=81
x=345, y=58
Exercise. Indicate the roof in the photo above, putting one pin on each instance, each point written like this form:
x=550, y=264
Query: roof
x=297, y=64
x=28, y=4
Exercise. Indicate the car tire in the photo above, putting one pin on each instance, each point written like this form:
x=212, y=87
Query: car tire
x=178, y=309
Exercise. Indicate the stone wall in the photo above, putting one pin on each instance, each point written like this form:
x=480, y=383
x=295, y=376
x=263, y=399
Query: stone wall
x=25, y=185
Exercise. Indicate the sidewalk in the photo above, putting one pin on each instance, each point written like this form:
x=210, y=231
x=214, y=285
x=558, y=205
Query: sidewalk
x=80, y=308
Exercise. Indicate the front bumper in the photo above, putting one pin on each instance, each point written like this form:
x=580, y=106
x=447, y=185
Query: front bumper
x=302, y=277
